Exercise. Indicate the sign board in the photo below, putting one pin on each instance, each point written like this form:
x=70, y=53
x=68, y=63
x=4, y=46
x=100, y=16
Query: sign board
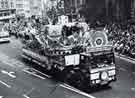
x=63, y=19
x=72, y=59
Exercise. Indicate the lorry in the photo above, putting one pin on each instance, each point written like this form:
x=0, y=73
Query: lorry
x=87, y=60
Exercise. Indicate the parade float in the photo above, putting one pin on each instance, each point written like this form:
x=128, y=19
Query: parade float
x=77, y=59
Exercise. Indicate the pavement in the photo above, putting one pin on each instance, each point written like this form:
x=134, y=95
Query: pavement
x=19, y=80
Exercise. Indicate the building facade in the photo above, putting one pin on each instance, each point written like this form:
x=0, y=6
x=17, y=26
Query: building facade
x=7, y=9
x=22, y=7
x=29, y=7
x=74, y=7
x=119, y=10
x=7, y=4
x=105, y=10
x=133, y=9
x=36, y=7
x=19, y=6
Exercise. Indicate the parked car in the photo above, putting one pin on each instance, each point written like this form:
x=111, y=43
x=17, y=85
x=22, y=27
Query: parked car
x=4, y=35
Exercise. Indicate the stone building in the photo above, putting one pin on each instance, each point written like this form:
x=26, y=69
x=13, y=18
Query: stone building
x=74, y=7
x=104, y=10
x=7, y=9
x=36, y=7
x=29, y=7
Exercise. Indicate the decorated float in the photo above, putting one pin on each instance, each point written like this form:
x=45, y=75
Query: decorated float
x=77, y=58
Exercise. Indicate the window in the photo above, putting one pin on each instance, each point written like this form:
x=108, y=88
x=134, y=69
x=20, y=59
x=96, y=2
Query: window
x=1, y=14
x=82, y=2
x=5, y=14
x=12, y=5
x=19, y=5
x=2, y=4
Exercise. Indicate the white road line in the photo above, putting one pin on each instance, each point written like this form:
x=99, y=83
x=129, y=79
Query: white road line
x=16, y=62
x=42, y=73
x=133, y=72
x=124, y=58
x=25, y=96
x=122, y=69
x=7, y=63
x=10, y=61
x=77, y=91
x=4, y=72
x=34, y=74
x=10, y=74
x=5, y=84
x=26, y=57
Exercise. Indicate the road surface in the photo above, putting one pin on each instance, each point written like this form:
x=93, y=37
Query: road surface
x=19, y=80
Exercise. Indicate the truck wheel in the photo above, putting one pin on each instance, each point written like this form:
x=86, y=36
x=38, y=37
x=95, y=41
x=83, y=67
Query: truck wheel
x=75, y=79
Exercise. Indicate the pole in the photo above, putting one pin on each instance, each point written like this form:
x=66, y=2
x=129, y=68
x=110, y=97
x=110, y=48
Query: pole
x=106, y=6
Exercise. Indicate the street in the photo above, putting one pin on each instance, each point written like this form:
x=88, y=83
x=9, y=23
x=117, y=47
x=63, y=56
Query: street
x=19, y=80
x=67, y=48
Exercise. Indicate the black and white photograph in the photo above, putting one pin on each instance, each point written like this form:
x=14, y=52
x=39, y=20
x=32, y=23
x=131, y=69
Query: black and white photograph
x=67, y=48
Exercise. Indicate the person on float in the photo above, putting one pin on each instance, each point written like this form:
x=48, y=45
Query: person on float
x=74, y=39
x=43, y=38
x=64, y=40
x=86, y=37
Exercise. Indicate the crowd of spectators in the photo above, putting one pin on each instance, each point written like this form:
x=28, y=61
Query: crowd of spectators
x=123, y=37
x=18, y=26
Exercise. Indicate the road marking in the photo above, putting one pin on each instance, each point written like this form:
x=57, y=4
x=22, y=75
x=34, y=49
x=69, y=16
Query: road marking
x=76, y=90
x=133, y=89
x=33, y=74
x=8, y=73
x=5, y=84
x=10, y=61
x=7, y=63
x=133, y=72
x=11, y=75
x=4, y=72
x=125, y=58
x=25, y=96
x=123, y=69
x=42, y=73
x=16, y=62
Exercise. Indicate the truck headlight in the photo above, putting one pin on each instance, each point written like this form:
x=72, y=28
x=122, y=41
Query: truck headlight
x=104, y=75
x=82, y=57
